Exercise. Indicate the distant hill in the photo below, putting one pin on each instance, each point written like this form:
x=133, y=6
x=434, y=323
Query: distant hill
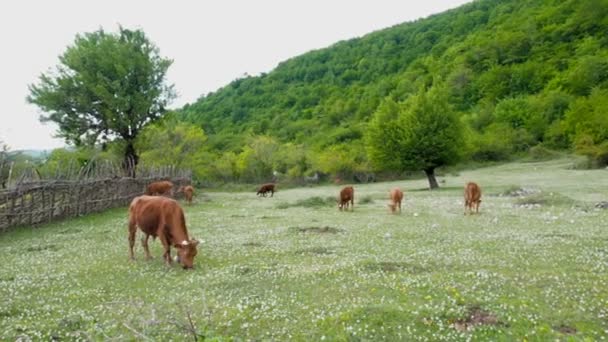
x=33, y=154
x=513, y=69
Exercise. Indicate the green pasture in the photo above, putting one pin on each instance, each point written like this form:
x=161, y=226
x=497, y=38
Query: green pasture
x=533, y=265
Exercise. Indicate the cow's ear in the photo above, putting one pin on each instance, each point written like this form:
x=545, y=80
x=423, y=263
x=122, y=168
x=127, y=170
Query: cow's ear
x=194, y=242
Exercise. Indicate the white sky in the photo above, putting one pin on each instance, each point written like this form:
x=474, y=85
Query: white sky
x=211, y=42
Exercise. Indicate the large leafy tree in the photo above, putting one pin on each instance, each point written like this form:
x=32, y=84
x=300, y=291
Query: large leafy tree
x=422, y=133
x=107, y=87
x=170, y=142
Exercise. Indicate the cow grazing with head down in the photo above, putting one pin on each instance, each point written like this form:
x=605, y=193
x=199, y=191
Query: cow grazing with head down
x=188, y=192
x=395, y=195
x=161, y=217
x=472, y=197
x=163, y=188
x=268, y=187
x=347, y=194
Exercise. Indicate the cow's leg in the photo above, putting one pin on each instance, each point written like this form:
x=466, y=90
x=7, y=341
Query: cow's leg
x=144, y=243
x=352, y=204
x=271, y=193
x=399, y=207
x=132, y=231
x=477, y=207
x=167, y=247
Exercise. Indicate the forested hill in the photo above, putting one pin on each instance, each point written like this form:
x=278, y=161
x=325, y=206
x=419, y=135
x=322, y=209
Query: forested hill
x=519, y=72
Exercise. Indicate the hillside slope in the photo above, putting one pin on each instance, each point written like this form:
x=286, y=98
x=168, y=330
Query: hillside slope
x=518, y=62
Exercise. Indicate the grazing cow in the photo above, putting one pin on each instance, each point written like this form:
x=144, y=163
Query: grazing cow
x=396, y=195
x=161, y=217
x=188, y=191
x=347, y=194
x=472, y=197
x=266, y=188
x=163, y=188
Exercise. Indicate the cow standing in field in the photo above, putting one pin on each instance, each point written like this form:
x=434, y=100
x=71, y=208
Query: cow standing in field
x=188, y=192
x=268, y=187
x=396, y=195
x=162, y=188
x=347, y=194
x=472, y=197
x=161, y=217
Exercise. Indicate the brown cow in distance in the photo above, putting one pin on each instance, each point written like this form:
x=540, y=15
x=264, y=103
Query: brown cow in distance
x=163, y=188
x=268, y=187
x=161, y=217
x=188, y=192
x=472, y=197
x=396, y=195
x=347, y=194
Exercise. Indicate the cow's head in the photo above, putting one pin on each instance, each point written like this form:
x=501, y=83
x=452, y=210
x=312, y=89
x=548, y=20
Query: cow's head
x=186, y=251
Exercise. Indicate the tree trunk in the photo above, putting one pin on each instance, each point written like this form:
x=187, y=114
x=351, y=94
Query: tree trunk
x=129, y=164
x=430, y=174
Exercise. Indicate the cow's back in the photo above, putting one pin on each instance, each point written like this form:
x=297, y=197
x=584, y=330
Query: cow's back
x=153, y=213
x=396, y=195
x=159, y=188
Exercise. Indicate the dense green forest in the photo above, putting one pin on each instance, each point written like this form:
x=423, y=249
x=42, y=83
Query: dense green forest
x=509, y=78
x=518, y=73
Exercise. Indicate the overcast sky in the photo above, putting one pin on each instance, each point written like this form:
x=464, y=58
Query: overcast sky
x=210, y=42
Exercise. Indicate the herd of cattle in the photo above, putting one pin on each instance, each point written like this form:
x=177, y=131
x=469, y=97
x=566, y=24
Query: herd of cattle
x=158, y=215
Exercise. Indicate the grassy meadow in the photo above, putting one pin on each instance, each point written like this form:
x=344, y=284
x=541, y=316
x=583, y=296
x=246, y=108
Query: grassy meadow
x=533, y=265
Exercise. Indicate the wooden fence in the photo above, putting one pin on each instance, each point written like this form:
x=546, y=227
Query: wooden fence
x=35, y=201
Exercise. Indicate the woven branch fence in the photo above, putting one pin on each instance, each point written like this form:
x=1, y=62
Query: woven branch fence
x=32, y=201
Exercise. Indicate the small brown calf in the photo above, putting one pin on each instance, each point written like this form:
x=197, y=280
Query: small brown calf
x=396, y=195
x=162, y=188
x=347, y=194
x=268, y=187
x=472, y=197
x=188, y=191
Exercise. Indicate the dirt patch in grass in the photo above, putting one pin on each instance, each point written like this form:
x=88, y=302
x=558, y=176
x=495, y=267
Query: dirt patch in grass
x=545, y=198
x=516, y=191
x=311, y=202
x=602, y=205
x=315, y=250
x=394, y=266
x=70, y=231
x=557, y=235
x=253, y=244
x=242, y=270
x=366, y=200
x=318, y=230
x=565, y=329
x=476, y=316
x=7, y=278
x=40, y=248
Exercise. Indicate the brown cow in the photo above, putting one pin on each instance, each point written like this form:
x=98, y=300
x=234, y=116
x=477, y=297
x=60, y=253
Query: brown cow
x=163, y=188
x=395, y=195
x=347, y=194
x=266, y=188
x=472, y=197
x=188, y=191
x=161, y=217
